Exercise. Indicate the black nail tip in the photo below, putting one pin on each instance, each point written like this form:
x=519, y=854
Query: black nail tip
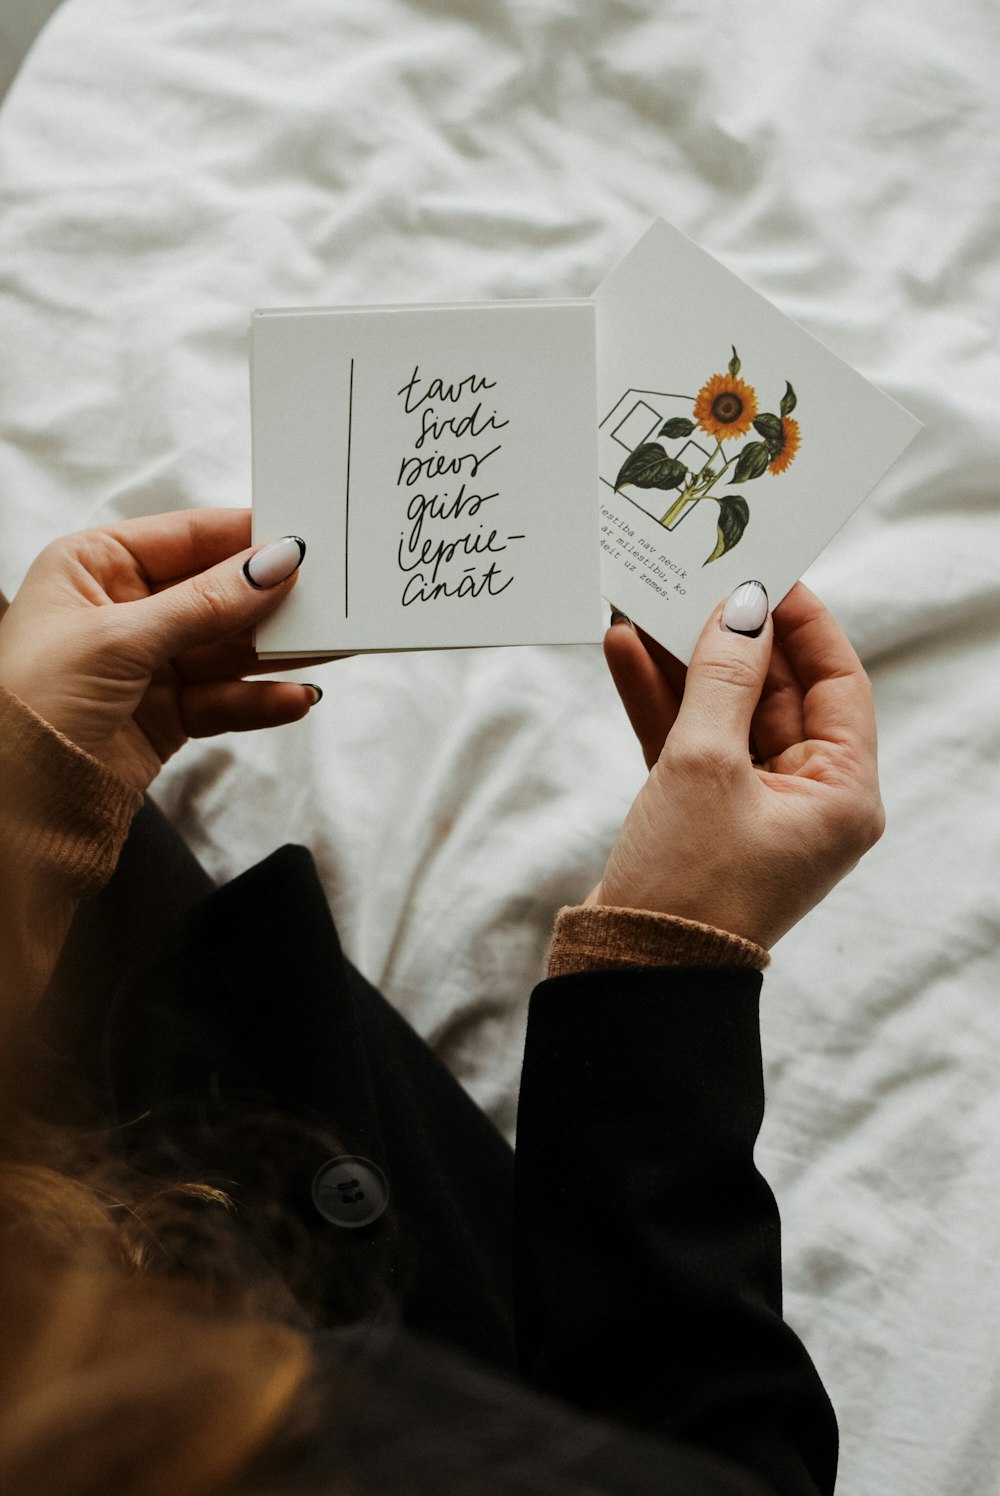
x=317, y=689
x=619, y=617
x=300, y=543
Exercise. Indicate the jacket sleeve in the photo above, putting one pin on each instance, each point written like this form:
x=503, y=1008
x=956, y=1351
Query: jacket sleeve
x=647, y=1267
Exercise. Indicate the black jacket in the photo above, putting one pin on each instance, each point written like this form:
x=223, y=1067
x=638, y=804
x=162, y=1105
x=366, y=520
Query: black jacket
x=626, y=1263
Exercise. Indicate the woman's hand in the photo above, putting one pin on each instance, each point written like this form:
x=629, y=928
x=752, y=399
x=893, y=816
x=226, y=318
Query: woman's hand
x=131, y=638
x=763, y=790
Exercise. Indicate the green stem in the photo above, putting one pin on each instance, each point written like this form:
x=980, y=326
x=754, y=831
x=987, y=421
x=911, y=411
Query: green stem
x=710, y=460
x=677, y=507
x=722, y=471
x=695, y=490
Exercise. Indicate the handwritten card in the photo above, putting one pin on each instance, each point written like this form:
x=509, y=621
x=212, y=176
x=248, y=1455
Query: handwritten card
x=732, y=445
x=440, y=463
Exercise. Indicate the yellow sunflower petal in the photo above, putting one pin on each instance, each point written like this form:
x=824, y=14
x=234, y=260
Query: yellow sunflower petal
x=725, y=407
x=790, y=442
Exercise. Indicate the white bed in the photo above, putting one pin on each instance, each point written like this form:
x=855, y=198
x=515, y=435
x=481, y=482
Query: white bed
x=167, y=166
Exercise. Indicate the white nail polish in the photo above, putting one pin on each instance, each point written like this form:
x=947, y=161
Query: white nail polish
x=746, y=610
x=275, y=562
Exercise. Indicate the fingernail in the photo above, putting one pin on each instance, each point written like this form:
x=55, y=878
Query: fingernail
x=274, y=563
x=617, y=617
x=746, y=610
x=317, y=689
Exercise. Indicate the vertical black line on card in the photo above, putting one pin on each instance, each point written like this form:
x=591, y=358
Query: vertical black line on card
x=347, y=494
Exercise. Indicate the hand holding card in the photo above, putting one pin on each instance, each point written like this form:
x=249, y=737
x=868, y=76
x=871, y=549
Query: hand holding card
x=747, y=847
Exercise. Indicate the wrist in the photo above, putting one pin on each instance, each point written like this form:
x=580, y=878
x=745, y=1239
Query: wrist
x=712, y=908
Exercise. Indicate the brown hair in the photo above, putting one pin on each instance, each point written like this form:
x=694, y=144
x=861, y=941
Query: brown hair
x=119, y=1380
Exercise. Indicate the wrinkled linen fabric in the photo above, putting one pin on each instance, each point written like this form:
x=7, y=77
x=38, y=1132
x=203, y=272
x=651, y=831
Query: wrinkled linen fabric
x=169, y=166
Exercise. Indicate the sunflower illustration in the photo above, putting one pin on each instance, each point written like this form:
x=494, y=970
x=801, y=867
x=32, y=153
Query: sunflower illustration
x=784, y=455
x=725, y=407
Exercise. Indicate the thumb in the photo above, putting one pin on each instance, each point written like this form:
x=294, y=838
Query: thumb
x=216, y=604
x=726, y=675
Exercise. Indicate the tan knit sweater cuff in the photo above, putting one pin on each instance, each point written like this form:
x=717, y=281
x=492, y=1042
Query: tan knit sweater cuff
x=598, y=937
x=60, y=808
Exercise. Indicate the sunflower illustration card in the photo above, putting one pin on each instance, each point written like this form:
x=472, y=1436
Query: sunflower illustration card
x=721, y=439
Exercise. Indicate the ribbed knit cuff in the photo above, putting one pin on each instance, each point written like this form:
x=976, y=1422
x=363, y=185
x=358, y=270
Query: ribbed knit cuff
x=59, y=806
x=597, y=937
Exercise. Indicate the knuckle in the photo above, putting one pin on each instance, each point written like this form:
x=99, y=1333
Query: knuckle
x=730, y=671
x=211, y=602
x=56, y=554
x=702, y=759
x=856, y=815
x=681, y=756
x=873, y=823
x=55, y=550
x=860, y=825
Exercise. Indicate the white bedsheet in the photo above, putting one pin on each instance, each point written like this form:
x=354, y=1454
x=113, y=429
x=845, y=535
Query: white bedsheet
x=167, y=166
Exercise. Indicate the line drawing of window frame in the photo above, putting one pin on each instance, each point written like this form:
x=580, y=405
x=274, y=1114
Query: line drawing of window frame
x=658, y=418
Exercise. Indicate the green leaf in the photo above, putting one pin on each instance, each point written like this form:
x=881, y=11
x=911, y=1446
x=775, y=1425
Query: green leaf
x=734, y=363
x=676, y=426
x=788, y=400
x=734, y=515
x=650, y=467
x=771, y=430
x=753, y=461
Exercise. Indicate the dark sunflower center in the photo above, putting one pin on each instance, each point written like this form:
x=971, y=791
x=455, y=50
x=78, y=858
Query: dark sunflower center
x=727, y=407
